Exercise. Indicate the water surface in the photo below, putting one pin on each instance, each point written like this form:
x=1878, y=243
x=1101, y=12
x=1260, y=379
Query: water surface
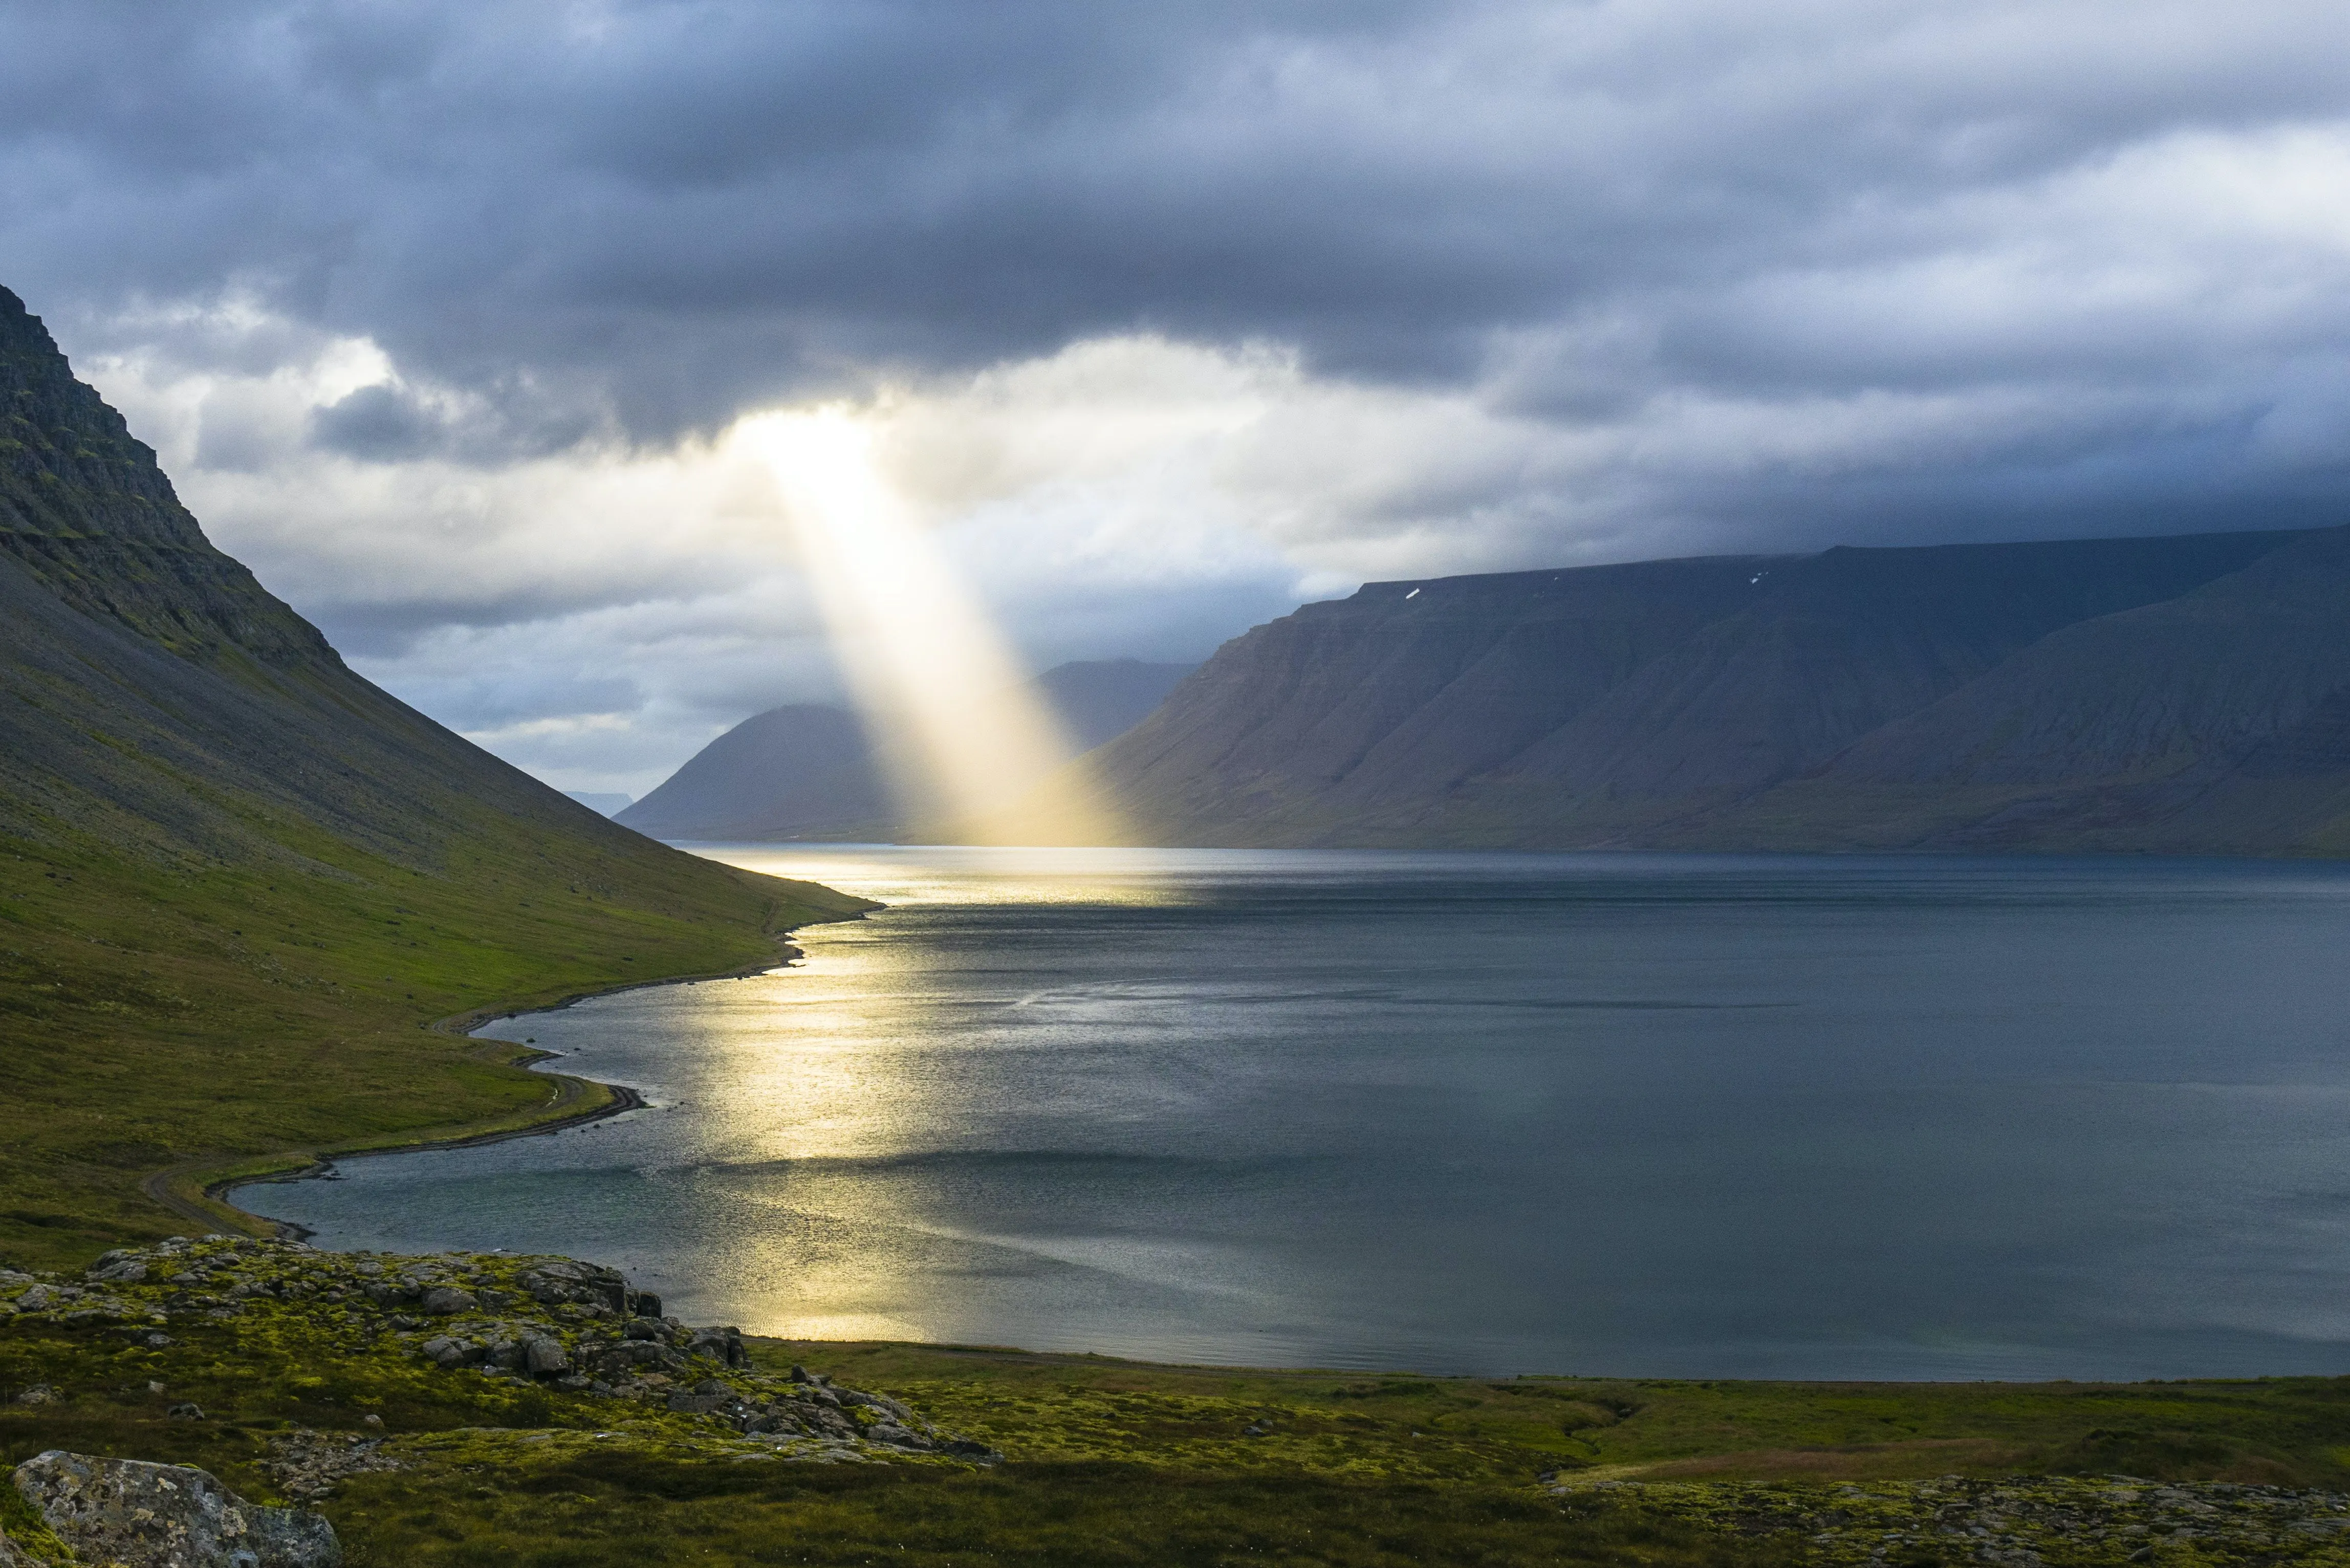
x=1689, y=1115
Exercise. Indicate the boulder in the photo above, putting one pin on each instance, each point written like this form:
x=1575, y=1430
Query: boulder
x=613, y=1363
x=585, y=1285
x=545, y=1357
x=142, y=1515
x=882, y=1404
x=759, y=1422
x=964, y=1448
x=447, y=1300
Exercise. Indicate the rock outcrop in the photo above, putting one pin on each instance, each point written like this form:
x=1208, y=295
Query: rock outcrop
x=85, y=510
x=135, y=1514
x=557, y=1323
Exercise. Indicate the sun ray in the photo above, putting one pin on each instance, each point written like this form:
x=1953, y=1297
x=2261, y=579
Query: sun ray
x=962, y=733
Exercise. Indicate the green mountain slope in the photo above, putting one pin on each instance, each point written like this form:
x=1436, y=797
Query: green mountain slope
x=237, y=881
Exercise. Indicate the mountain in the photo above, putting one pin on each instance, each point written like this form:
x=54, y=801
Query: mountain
x=805, y=770
x=2217, y=721
x=1098, y=700
x=236, y=877
x=2188, y=693
x=808, y=770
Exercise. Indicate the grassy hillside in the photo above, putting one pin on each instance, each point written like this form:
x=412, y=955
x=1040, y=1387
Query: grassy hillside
x=238, y=883
x=158, y=1014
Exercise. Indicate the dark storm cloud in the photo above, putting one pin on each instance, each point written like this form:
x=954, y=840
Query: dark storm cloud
x=696, y=205
x=675, y=210
x=1717, y=275
x=425, y=301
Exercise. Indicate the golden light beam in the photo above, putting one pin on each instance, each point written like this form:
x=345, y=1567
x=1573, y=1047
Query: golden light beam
x=961, y=731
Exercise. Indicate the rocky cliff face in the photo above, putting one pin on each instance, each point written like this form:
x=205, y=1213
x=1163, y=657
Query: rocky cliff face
x=2212, y=722
x=1844, y=699
x=1362, y=710
x=156, y=692
x=155, y=698
x=86, y=512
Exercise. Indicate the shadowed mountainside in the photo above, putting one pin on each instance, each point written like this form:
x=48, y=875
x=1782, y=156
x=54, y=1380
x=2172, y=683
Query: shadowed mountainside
x=236, y=877
x=808, y=770
x=802, y=770
x=2187, y=693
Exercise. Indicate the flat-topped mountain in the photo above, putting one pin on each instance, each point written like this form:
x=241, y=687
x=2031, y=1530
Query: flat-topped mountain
x=2187, y=693
x=808, y=770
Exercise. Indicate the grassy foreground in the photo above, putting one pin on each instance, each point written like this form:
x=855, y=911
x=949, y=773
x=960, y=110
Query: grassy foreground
x=183, y=1018
x=287, y=1373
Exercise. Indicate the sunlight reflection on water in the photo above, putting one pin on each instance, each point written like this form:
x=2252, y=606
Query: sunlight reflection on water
x=1705, y=1116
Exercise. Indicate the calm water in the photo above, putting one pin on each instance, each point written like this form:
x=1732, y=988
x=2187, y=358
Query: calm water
x=1693, y=1116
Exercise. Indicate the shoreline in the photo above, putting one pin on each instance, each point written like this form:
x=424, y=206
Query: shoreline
x=183, y=1189
x=623, y=1100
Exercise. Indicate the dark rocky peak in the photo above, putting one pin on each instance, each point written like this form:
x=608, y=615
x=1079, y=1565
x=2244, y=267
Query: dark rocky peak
x=85, y=511
x=80, y=471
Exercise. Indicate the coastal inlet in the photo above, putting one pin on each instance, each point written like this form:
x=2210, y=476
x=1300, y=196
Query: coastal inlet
x=1702, y=1116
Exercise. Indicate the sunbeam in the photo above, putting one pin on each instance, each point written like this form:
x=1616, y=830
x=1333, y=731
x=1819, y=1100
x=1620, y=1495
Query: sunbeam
x=962, y=734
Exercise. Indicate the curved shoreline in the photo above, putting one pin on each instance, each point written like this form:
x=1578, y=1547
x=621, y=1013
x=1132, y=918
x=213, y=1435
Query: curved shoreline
x=170, y=1188
x=623, y=1099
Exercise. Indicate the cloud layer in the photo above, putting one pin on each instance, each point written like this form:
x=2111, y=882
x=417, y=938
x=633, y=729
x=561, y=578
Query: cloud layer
x=1166, y=315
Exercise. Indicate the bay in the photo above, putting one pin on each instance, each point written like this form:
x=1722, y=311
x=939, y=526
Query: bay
x=1686, y=1116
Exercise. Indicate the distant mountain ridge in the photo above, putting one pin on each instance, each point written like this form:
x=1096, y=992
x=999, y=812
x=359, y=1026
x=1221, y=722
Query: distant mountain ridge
x=2187, y=693
x=808, y=770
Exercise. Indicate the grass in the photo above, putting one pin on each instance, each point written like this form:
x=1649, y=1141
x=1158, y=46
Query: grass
x=2292, y=1431
x=158, y=1014
x=208, y=1017
x=1109, y=1462
x=1116, y=1463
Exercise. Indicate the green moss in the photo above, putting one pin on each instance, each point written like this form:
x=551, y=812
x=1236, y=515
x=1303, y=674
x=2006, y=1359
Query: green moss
x=1119, y=1462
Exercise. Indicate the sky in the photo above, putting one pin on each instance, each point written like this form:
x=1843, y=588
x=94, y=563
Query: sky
x=1157, y=318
